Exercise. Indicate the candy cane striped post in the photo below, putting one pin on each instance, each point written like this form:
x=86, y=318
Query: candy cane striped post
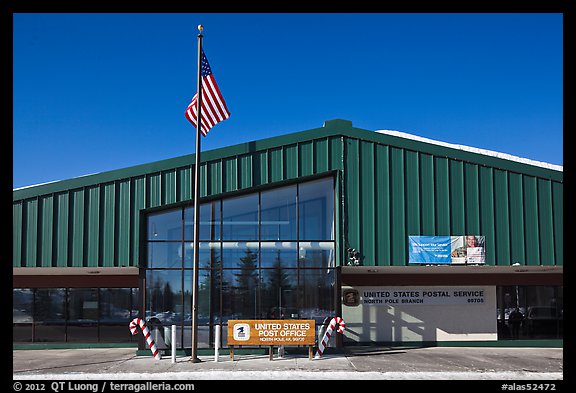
x=326, y=338
x=146, y=332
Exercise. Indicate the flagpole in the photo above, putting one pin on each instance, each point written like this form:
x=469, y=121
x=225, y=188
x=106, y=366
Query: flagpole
x=194, y=358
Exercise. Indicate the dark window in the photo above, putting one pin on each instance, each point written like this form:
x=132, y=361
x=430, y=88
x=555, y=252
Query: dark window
x=82, y=324
x=22, y=300
x=50, y=315
x=115, y=306
x=530, y=312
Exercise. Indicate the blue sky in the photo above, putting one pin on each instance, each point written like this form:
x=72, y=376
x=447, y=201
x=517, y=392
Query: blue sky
x=98, y=92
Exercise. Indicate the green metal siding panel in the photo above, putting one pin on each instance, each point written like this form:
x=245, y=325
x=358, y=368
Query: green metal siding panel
x=399, y=241
x=46, y=225
x=368, y=224
x=290, y=162
x=501, y=217
x=472, y=199
x=138, y=198
x=62, y=219
x=321, y=155
x=17, y=234
x=169, y=187
x=558, y=212
x=457, y=224
x=487, y=212
x=389, y=192
x=31, y=233
x=154, y=190
x=336, y=148
x=306, y=158
x=352, y=190
x=412, y=194
x=208, y=178
x=260, y=165
x=185, y=184
x=545, y=222
x=531, y=220
x=516, y=219
x=92, y=227
x=214, y=186
x=107, y=225
x=275, y=164
x=230, y=174
x=442, y=196
x=123, y=220
x=428, y=210
x=245, y=176
x=76, y=243
x=382, y=200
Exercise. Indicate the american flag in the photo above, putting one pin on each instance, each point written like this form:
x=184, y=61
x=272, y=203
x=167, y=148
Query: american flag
x=213, y=107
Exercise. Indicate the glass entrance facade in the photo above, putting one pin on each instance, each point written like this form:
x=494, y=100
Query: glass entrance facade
x=263, y=255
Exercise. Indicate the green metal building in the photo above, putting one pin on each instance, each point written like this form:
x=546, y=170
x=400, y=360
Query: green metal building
x=311, y=224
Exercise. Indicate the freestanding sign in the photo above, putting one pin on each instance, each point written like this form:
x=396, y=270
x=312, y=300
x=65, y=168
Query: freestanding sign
x=271, y=332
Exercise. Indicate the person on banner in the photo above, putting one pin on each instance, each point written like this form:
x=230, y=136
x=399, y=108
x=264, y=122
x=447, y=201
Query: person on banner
x=515, y=321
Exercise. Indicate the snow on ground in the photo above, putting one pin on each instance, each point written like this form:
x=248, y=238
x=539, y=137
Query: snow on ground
x=295, y=374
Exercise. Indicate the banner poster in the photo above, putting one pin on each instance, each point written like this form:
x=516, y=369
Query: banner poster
x=446, y=250
x=467, y=249
x=429, y=249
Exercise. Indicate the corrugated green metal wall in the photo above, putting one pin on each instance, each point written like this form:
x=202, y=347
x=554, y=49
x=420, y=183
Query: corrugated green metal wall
x=390, y=188
x=392, y=193
x=98, y=225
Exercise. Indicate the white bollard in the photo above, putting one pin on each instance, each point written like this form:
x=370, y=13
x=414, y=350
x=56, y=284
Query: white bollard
x=173, y=343
x=216, y=341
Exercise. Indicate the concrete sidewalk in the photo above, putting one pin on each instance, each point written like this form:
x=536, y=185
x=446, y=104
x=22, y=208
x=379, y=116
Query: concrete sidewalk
x=355, y=363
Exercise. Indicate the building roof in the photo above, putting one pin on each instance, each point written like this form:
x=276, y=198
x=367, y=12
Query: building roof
x=330, y=128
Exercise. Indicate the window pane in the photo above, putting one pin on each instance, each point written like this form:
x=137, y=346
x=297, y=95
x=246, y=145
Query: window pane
x=316, y=210
x=114, y=313
x=49, y=315
x=240, y=218
x=82, y=315
x=164, y=300
x=22, y=315
x=317, y=294
x=208, y=256
x=239, y=294
x=164, y=255
x=242, y=255
x=114, y=305
x=278, y=214
x=209, y=222
x=542, y=317
x=22, y=305
x=204, y=296
x=316, y=254
x=165, y=225
x=279, y=293
x=278, y=254
x=135, y=304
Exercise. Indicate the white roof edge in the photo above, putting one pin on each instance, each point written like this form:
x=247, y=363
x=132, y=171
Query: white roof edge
x=53, y=181
x=471, y=149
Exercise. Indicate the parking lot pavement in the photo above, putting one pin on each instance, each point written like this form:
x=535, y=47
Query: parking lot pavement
x=354, y=363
